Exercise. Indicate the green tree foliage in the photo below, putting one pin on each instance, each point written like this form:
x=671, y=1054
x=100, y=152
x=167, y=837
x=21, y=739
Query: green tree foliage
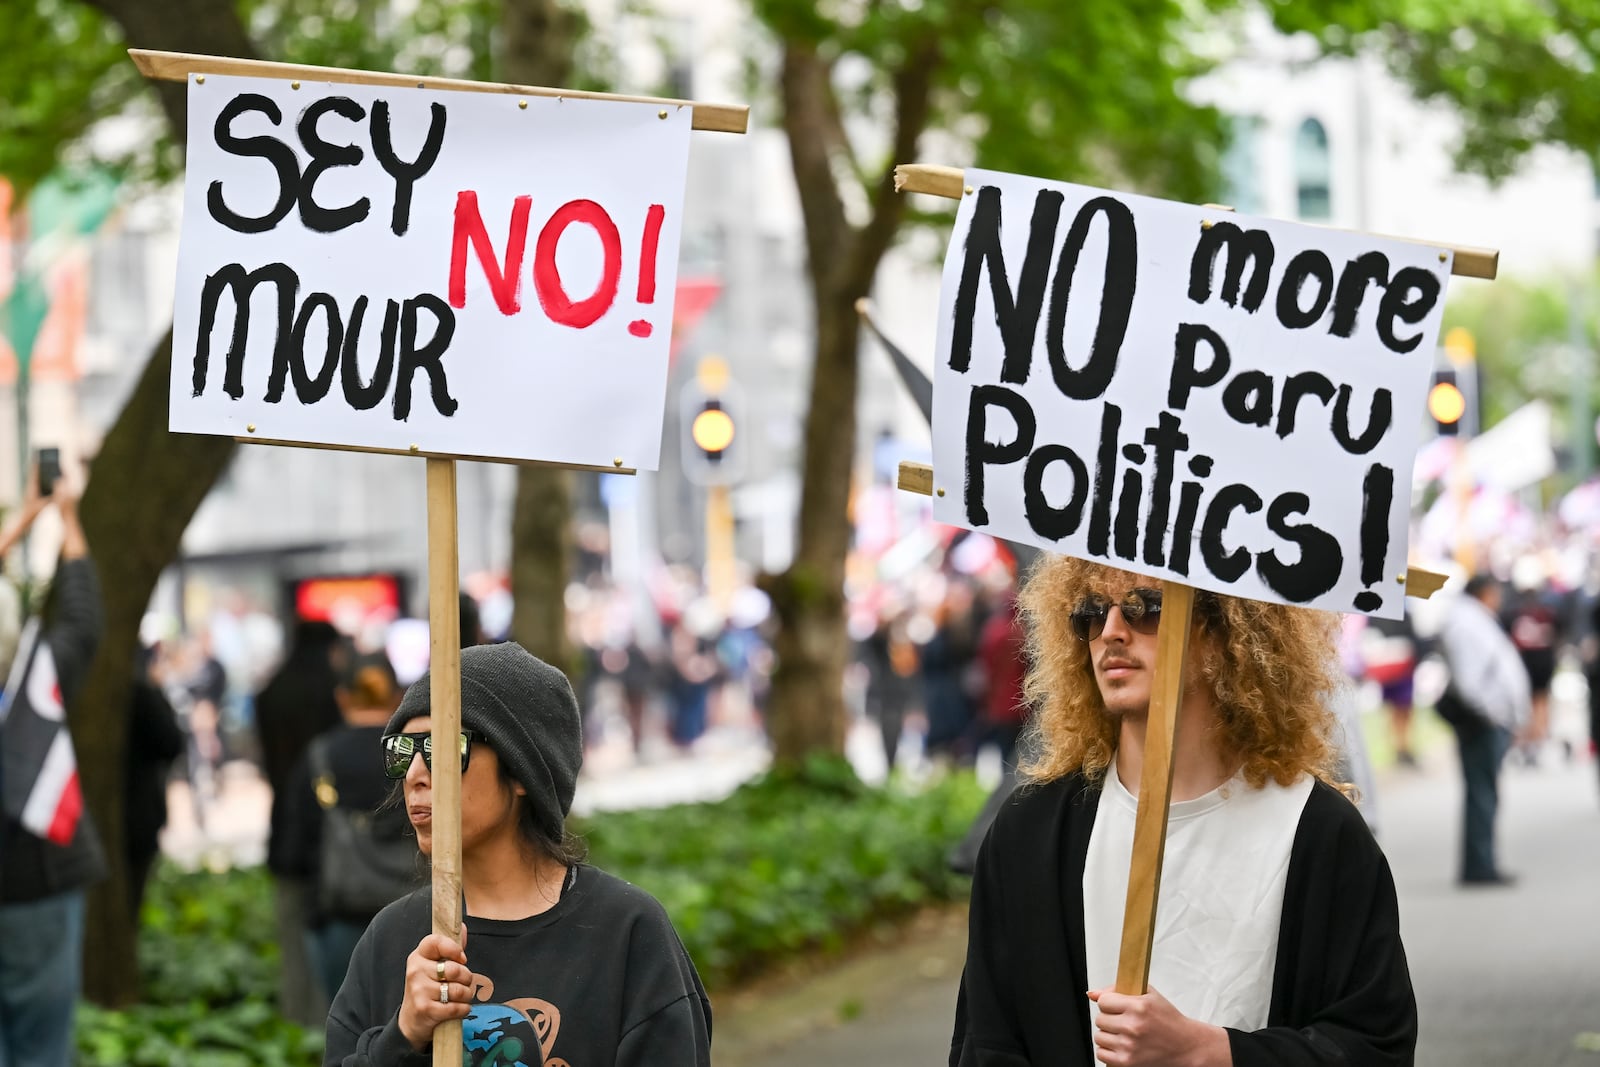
x=65, y=61
x=1088, y=91
x=1521, y=73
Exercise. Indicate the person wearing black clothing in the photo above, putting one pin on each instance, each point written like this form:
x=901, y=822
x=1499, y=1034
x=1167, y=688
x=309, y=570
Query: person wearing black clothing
x=558, y=960
x=297, y=704
x=43, y=884
x=340, y=771
x=155, y=741
x=1277, y=938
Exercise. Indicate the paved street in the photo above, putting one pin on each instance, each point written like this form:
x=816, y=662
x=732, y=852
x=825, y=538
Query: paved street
x=1502, y=976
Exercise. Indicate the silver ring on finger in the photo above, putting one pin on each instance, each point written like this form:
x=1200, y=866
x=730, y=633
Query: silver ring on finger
x=438, y=972
x=444, y=992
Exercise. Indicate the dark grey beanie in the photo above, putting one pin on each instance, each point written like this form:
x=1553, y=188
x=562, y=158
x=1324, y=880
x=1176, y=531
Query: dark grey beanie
x=524, y=709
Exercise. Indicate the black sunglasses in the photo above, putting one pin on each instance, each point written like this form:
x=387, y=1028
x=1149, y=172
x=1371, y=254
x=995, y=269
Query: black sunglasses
x=400, y=749
x=1141, y=610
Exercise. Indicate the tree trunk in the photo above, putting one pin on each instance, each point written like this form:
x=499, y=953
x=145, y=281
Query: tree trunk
x=145, y=485
x=541, y=548
x=806, y=712
x=536, y=47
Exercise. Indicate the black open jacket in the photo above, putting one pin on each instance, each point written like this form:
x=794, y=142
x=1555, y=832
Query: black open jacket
x=1341, y=992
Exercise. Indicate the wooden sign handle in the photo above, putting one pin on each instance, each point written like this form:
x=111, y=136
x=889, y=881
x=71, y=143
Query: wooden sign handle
x=444, y=672
x=1155, y=788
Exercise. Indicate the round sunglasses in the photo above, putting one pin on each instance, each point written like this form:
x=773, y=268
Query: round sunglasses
x=400, y=749
x=1141, y=610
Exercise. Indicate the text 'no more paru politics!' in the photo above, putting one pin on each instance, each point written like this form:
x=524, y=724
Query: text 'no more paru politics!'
x=1229, y=402
x=368, y=266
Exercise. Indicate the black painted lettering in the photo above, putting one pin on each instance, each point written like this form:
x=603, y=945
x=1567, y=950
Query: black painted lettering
x=1409, y=298
x=1298, y=387
x=241, y=285
x=1018, y=319
x=1045, y=518
x=1317, y=569
x=1370, y=267
x=1188, y=511
x=1116, y=299
x=1229, y=566
x=1128, y=501
x=1245, y=248
x=1310, y=266
x=1186, y=376
x=428, y=358
x=405, y=174
x=1105, y=481
x=281, y=156
x=324, y=157
x=1166, y=438
x=981, y=451
x=368, y=396
x=309, y=388
x=1378, y=421
x=1248, y=398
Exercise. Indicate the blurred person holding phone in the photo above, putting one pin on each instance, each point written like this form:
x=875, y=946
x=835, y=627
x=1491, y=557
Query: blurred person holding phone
x=50, y=852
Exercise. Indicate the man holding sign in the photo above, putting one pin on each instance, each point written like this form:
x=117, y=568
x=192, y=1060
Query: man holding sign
x=1277, y=941
x=1208, y=409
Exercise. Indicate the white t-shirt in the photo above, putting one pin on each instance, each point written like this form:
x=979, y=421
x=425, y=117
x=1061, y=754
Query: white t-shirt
x=1227, y=860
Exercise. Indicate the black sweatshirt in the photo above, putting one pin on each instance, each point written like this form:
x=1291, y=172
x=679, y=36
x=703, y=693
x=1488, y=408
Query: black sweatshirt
x=599, y=979
x=1341, y=992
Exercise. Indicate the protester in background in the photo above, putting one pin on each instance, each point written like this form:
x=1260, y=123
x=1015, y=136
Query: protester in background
x=1002, y=649
x=1286, y=945
x=297, y=705
x=366, y=860
x=559, y=961
x=50, y=852
x=1535, y=631
x=691, y=671
x=947, y=661
x=890, y=658
x=1487, y=701
x=1389, y=655
x=471, y=621
x=155, y=741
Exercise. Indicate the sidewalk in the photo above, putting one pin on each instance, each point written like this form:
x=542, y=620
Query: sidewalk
x=233, y=829
x=1501, y=976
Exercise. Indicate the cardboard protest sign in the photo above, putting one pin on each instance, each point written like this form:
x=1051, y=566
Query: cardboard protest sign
x=460, y=273
x=1226, y=401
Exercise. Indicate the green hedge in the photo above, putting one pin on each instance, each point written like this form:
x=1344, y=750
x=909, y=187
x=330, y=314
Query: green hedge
x=786, y=865
x=789, y=864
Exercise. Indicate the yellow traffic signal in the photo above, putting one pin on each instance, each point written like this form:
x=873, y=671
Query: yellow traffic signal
x=1446, y=403
x=712, y=430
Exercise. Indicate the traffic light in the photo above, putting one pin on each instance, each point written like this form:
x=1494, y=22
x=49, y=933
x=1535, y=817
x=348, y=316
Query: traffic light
x=710, y=413
x=1446, y=402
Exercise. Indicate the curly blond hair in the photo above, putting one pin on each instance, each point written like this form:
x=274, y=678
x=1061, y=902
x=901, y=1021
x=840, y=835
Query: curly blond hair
x=1271, y=670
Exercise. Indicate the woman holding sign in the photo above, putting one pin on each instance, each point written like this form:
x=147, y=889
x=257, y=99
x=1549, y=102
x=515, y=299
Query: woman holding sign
x=564, y=963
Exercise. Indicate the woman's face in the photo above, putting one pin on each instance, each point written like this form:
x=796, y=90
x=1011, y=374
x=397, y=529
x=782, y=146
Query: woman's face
x=488, y=806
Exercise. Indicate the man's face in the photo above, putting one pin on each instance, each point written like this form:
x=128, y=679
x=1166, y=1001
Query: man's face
x=1119, y=621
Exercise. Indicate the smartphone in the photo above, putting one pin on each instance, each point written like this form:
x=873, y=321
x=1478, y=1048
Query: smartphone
x=49, y=470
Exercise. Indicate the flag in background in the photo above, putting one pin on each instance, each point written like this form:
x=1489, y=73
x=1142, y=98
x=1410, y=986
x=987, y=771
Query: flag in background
x=40, y=781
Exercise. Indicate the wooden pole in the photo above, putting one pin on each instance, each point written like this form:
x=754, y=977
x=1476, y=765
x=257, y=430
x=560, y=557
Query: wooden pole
x=1155, y=788
x=1467, y=262
x=178, y=66
x=444, y=669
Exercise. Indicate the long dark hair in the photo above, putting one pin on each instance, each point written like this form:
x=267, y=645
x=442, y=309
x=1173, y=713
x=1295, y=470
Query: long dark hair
x=569, y=850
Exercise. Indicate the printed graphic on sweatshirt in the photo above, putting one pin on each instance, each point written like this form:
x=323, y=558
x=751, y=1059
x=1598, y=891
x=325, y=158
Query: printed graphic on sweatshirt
x=512, y=1034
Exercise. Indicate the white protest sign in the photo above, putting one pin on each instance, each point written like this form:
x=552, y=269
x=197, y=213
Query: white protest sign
x=1227, y=401
x=468, y=273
